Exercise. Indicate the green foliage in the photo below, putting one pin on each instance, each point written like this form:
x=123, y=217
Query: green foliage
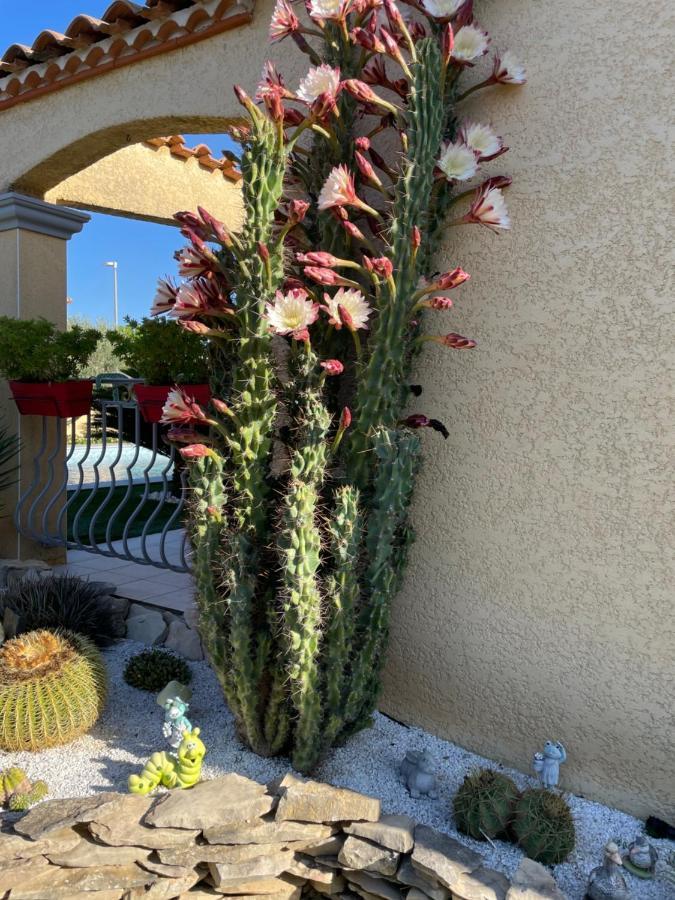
x=104, y=358
x=544, y=827
x=34, y=350
x=9, y=461
x=52, y=689
x=62, y=601
x=161, y=352
x=152, y=670
x=484, y=805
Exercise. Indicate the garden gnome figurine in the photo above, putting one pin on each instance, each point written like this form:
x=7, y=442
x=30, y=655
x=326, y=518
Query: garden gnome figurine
x=606, y=882
x=641, y=858
x=547, y=764
x=417, y=774
x=174, y=700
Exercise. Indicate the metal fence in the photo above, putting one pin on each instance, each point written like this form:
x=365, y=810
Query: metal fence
x=108, y=483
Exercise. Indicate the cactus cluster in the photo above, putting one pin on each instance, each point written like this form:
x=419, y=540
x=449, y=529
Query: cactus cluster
x=484, y=805
x=52, y=689
x=302, y=469
x=17, y=792
x=152, y=670
x=543, y=826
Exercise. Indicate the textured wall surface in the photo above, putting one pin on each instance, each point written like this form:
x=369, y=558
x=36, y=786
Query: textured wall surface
x=539, y=599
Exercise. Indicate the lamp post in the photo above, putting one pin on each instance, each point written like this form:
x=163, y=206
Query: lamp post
x=113, y=265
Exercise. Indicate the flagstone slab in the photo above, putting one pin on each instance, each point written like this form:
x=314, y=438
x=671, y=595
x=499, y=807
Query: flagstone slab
x=13, y=846
x=394, y=832
x=533, y=881
x=441, y=857
x=225, y=802
x=312, y=835
x=17, y=871
x=53, y=815
x=358, y=853
x=265, y=887
x=87, y=854
x=408, y=874
x=60, y=884
x=371, y=884
x=311, y=801
x=268, y=866
x=481, y=884
x=121, y=824
x=222, y=853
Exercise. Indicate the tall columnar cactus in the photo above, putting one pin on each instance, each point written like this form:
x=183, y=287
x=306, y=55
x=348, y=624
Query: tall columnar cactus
x=303, y=469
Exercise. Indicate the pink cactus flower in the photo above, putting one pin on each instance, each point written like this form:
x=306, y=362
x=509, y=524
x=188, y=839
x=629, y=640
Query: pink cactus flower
x=351, y=303
x=284, y=21
x=489, y=209
x=165, y=297
x=338, y=189
x=180, y=409
x=441, y=9
x=332, y=367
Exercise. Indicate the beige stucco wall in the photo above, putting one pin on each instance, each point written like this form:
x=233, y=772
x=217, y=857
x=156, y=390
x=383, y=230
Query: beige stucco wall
x=539, y=599
x=144, y=183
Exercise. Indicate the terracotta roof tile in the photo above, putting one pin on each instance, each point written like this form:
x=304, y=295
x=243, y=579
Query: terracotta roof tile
x=175, y=144
x=126, y=33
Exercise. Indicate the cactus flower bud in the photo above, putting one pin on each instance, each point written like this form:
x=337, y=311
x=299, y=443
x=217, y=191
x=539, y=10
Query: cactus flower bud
x=297, y=210
x=415, y=237
x=196, y=451
x=380, y=265
x=263, y=251
x=367, y=40
x=318, y=258
x=327, y=276
x=450, y=280
x=345, y=418
x=332, y=366
x=362, y=143
x=448, y=43
x=439, y=302
x=366, y=169
x=221, y=407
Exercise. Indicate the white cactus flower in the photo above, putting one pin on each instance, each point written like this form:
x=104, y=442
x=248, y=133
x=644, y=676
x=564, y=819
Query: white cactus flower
x=471, y=42
x=458, y=162
x=320, y=80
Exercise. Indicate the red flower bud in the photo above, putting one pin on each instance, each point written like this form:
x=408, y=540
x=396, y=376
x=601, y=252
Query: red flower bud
x=360, y=90
x=325, y=276
x=196, y=451
x=353, y=230
x=440, y=303
x=448, y=42
x=362, y=143
x=332, y=366
x=297, y=210
x=345, y=418
x=346, y=317
x=380, y=265
x=455, y=341
x=366, y=169
x=221, y=407
x=451, y=279
x=263, y=251
x=415, y=237
x=317, y=258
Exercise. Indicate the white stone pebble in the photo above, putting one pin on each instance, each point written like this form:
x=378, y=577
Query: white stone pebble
x=130, y=729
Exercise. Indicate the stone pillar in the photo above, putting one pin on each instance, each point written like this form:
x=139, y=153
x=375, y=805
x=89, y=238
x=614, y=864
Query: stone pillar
x=33, y=238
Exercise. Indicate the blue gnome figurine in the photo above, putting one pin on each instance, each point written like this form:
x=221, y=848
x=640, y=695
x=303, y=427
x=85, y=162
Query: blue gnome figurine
x=174, y=700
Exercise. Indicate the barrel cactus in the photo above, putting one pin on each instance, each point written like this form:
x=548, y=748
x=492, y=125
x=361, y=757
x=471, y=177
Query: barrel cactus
x=302, y=468
x=544, y=827
x=52, y=689
x=152, y=670
x=484, y=804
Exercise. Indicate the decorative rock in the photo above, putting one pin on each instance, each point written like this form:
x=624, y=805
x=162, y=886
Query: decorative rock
x=533, y=881
x=64, y=884
x=14, y=570
x=310, y=870
x=191, y=617
x=481, y=884
x=168, y=888
x=394, y=832
x=408, y=874
x=107, y=587
x=119, y=607
x=10, y=623
x=329, y=848
x=147, y=627
x=357, y=853
x=311, y=801
x=20, y=871
x=184, y=641
x=282, y=887
x=267, y=865
x=53, y=815
x=87, y=854
x=441, y=857
x=225, y=802
x=220, y=853
x=371, y=884
x=118, y=824
x=271, y=833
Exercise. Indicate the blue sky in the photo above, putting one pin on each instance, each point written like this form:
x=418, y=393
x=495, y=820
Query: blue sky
x=143, y=250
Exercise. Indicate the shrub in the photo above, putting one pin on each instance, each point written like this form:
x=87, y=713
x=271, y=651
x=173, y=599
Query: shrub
x=152, y=670
x=52, y=689
x=63, y=601
x=161, y=352
x=484, y=804
x=35, y=350
x=544, y=827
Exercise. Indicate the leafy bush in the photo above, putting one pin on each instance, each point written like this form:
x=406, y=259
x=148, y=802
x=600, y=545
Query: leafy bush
x=62, y=601
x=35, y=350
x=104, y=358
x=152, y=670
x=161, y=352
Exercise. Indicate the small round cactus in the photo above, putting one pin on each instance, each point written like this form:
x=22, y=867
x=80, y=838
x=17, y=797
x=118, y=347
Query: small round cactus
x=52, y=689
x=544, y=827
x=484, y=804
x=152, y=670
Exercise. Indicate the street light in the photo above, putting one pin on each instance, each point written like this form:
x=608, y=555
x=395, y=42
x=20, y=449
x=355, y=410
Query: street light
x=113, y=265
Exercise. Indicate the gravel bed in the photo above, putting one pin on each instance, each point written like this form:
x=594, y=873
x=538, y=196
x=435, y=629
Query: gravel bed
x=130, y=730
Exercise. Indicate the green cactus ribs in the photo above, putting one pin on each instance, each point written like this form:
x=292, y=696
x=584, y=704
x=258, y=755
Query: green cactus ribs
x=544, y=827
x=484, y=805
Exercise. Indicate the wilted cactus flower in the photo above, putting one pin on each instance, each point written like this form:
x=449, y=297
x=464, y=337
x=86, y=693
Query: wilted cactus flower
x=442, y=9
x=418, y=420
x=180, y=409
x=489, y=209
x=338, y=190
x=482, y=140
x=458, y=162
x=291, y=313
x=284, y=21
x=507, y=70
x=353, y=303
x=322, y=80
x=332, y=367
x=471, y=42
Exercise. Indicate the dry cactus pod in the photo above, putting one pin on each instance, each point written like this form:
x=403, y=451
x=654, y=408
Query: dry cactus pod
x=52, y=689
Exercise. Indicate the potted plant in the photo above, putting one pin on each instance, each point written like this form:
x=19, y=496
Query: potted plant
x=164, y=355
x=42, y=365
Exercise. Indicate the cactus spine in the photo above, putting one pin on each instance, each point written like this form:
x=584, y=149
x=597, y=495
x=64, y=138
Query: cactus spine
x=301, y=489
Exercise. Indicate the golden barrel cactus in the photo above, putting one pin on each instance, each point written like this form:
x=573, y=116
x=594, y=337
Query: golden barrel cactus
x=52, y=689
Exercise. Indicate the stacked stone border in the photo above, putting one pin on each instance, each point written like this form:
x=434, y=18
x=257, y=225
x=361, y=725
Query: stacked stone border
x=232, y=837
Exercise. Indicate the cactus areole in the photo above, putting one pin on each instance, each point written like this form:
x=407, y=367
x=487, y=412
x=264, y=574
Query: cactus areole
x=302, y=466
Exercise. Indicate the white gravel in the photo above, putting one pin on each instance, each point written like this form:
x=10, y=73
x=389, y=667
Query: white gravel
x=130, y=730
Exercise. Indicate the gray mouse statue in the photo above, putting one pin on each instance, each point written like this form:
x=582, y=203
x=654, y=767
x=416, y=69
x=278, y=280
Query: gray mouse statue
x=416, y=772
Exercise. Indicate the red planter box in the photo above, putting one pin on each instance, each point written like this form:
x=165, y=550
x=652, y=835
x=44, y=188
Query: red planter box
x=52, y=398
x=152, y=397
